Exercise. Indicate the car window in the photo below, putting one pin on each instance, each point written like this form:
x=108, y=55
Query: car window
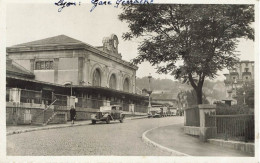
x=114, y=108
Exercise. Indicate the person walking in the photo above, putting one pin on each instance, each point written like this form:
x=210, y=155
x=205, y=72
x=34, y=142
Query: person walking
x=72, y=114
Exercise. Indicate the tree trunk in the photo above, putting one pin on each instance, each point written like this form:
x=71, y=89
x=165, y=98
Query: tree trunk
x=198, y=87
x=199, y=95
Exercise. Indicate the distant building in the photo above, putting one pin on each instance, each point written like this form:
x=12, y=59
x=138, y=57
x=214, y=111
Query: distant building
x=165, y=98
x=241, y=74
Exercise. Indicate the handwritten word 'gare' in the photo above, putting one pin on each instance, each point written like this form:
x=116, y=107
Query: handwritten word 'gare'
x=118, y=2
x=63, y=4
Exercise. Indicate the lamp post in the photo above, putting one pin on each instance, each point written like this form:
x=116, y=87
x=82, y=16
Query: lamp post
x=244, y=93
x=149, y=92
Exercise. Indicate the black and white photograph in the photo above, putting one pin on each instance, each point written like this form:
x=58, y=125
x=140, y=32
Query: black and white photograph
x=163, y=82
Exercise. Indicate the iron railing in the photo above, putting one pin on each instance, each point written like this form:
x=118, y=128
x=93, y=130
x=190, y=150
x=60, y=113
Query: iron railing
x=60, y=99
x=89, y=103
x=141, y=108
x=234, y=127
x=30, y=96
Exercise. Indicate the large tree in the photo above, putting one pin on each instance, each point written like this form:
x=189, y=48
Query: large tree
x=201, y=38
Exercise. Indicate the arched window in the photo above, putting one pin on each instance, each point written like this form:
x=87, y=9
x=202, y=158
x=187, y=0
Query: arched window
x=126, y=85
x=112, y=81
x=96, y=78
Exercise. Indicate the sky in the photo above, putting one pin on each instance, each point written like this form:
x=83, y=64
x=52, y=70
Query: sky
x=29, y=22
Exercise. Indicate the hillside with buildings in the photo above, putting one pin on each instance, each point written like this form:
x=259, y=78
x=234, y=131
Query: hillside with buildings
x=213, y=90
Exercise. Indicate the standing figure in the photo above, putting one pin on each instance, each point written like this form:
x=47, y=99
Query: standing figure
x=72, y=114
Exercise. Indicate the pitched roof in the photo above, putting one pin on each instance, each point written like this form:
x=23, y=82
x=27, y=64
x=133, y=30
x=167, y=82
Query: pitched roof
x=164, y=96
x=56, y=40
x=14, y=69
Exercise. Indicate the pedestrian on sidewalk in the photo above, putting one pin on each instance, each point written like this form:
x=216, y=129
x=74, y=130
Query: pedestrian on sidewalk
x=72, y=114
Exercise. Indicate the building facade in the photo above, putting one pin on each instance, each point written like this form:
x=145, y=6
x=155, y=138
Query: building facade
x=38, y=74
x=61, y=59
x=241, y=74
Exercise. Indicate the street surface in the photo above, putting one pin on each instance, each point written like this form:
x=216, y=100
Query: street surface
x=180, y=142
x=118, y=139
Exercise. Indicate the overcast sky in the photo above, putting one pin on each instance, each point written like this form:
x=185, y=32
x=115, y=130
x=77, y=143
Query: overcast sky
x=29, y=22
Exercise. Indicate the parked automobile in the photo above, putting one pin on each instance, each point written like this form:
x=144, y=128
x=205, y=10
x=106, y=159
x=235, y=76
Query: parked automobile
x=155, y=112
x=171, y=111
x=108, y=113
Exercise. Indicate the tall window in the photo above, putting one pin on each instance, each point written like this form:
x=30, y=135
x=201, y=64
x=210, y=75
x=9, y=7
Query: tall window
x=126, y=85
x=112, y=81
x=44, y=65
x=96, y=78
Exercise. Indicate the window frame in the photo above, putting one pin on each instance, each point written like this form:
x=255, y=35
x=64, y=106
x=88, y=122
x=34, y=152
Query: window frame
x=38, y=64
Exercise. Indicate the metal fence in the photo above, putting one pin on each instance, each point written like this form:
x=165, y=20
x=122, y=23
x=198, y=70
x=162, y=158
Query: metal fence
x=192, y=116
x=141, y=108
x=60, y=99
x=125, y=107
x=29, y=96
x=89, y=103
x=235, y=127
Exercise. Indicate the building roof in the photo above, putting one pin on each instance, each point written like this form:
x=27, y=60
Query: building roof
x=56, y=40
x=63, y=42
x=14, y=69
x=164, y=96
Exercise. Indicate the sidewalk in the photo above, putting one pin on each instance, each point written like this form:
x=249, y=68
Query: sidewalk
x=173, y=137
x=10, y=130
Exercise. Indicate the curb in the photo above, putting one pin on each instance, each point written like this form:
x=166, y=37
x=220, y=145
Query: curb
x=54, y=127
x=141, y=117
x=149, y=141
x=42, y=128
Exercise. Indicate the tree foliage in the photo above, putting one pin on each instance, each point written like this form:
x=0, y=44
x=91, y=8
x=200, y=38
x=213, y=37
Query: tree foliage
x=249, y=90
x=202, y=37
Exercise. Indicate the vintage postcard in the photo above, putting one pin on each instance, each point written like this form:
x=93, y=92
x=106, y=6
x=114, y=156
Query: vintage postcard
x=129, y=81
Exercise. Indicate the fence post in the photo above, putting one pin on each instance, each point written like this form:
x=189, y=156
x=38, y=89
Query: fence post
x=185, y=118
x=71, y=101
x=15, y=95
x=206, y=131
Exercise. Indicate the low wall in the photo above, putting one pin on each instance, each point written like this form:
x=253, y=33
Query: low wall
x=21, y=113
x=195, y=121
x=192, y=130
x=60, y=117
x=241, y=146
x=17, y=112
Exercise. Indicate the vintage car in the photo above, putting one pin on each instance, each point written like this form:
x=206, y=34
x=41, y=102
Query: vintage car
x=108, y=113
x=155, y=112
x=171, y=111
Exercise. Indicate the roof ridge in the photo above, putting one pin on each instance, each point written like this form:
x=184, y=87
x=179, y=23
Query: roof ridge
x=59, y=39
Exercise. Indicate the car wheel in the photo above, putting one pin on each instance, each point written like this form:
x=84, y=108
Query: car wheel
x=108, y=120
x=121, y=120
x=93, y=122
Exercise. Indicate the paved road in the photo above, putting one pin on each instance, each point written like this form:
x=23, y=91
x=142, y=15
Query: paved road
x=190, y=145
x=118, y=139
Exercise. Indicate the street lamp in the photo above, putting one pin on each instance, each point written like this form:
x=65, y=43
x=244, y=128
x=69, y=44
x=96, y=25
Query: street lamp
x=244, y=93
x=149, y=92
x=235, y=83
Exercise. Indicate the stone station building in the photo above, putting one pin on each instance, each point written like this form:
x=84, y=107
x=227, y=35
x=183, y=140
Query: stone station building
x=54, y=73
